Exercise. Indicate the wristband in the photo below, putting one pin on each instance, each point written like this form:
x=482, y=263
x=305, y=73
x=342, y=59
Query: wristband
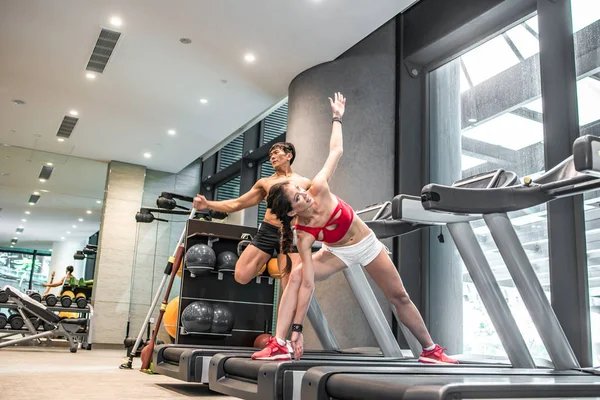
x=338, y=119
x=297, y=328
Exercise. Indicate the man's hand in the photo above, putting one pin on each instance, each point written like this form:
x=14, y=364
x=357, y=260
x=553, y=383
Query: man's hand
x=338, y=106
x=297, y=344
x=200, y=202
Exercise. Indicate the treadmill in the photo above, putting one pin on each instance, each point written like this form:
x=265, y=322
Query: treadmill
x=237, y=375
x=577, y=174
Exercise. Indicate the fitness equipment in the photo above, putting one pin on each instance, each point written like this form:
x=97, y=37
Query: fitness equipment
x=197, y=317
x=81, y=300
x=3, y=296
x=50, y=300
x=66, y=298
x=170, y=317
x=16, y=321
x=36, y=296
x=226, y=261
x=223, y=318
x=166, y=200
x=273, y=268
x=242, y=244
x=35, y=322
x=262, y=340
x=176, y=259
x=262, y=270
x=56, y=327
x=46, y=325
x=3, y=320
x=200, y=259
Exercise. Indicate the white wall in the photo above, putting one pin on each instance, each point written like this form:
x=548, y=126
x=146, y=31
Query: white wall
x=62, y=256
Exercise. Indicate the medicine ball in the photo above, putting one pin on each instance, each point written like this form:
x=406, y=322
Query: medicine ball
x=200, y=258
x=226, y=261
x=222, y=319
x=197, y=317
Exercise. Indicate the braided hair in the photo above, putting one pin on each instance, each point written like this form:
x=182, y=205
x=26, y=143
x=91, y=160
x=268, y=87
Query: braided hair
x=280, y=205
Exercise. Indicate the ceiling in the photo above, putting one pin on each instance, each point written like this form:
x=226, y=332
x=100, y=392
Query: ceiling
x=152, y=82
x=75, y=187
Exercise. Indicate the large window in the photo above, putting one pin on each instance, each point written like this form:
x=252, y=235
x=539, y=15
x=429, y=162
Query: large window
x=229, y=190
x=485, y=115
x=586, y=29
x=16, y=270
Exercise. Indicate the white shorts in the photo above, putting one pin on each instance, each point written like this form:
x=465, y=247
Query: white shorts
x=361, y=253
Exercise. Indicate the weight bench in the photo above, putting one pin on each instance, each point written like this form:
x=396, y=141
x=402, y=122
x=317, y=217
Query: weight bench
x=27, y=306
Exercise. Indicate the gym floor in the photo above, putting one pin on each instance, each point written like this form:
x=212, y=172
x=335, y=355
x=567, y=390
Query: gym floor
x=54, y=373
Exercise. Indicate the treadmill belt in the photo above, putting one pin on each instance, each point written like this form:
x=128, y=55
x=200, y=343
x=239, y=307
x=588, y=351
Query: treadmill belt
x=243, y=368
x=384, y=387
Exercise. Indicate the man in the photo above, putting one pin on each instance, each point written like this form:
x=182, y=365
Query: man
x=260, y=251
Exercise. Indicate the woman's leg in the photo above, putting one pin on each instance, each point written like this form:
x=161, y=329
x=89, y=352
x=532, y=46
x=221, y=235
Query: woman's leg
x=385, y=275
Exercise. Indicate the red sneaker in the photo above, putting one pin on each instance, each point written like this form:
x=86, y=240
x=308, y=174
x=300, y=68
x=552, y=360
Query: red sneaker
x=273, y=351
x=436, y=356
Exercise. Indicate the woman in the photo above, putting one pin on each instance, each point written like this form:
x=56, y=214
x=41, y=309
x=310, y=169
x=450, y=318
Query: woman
x=64, y=280
x=347, y=240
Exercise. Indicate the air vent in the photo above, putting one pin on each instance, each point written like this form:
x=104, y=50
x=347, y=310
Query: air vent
x=66, y=127
x=33, y=199
x=20, y=230
x=46, y=172
x=103, y=50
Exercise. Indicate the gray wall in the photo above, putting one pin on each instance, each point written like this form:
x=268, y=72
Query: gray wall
x=365, y=74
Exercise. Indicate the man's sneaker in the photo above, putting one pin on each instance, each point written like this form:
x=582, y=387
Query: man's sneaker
x=273, y=351
x=436, y=356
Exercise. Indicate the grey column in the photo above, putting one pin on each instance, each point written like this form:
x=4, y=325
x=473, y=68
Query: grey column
x=370, y=307
x=445, y=267
x=491, y=295
x=566, y=219
x=531, y=291
x=116, y=247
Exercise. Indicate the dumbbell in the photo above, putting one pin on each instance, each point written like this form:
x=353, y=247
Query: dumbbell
x=81, y=300
x=3, y=296
x=51, y=300
x=35, y=322
x=66, y=299
x=46, y=325
x=36, y=296
x=3, y=320
x=16, y=321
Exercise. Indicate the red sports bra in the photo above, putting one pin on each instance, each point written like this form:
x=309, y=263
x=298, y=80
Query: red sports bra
x=343, y=224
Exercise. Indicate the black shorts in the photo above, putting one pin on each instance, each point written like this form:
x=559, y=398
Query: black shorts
x=267, y=239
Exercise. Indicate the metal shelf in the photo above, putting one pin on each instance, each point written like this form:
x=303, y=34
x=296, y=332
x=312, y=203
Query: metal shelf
x=76, y=309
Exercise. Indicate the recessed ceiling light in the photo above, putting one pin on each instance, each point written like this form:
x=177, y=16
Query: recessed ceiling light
x=49, y=249
x=61, y=139
x=90, y=76
x=42, y=180
x=88, y=211
x=68, y=232
x=203, y=101
x=27, y=212
x=19, y=102
x=147, y=155
x=171, y=132
x=62, y=238
x=18, y=233
x=15, y=238
x=74, y=113
x=116, y=21
x=44, y=190
x=471, y=120
x=12, y=247
x=99, y=201
x=49, y=164
x=75, y=226
x=80, y=219
x=36, y=193
x=23, y=220
x=21, y=227
x=185, y=40
x=32, y=204
x=249, y=57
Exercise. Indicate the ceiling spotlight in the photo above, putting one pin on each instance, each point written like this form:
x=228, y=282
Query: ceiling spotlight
x=116, y=21
x=49, y=164
x=49, y=249
x=36, y=193
x=27, y=212
x=62, y=238
x=19, y=102
x=90, y=76
x=61, y=139
x=68, y=232
x=80, y=219
x=250, y=58
x=44, y=190
x=15, y=238
x=147, y=155
x=23, y=220
x=11, y=246
x=99, y=201
x=31, y=203
x=203, y=101
x=42, y=180
x=18, y=233
x=74, y=113
x=88, y=211
x=171, y=132
x=75, y=226
x=21, y=227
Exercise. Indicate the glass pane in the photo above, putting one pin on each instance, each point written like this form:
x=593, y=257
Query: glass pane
x=15, y=269
x=586, y=14
x=471, y=134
